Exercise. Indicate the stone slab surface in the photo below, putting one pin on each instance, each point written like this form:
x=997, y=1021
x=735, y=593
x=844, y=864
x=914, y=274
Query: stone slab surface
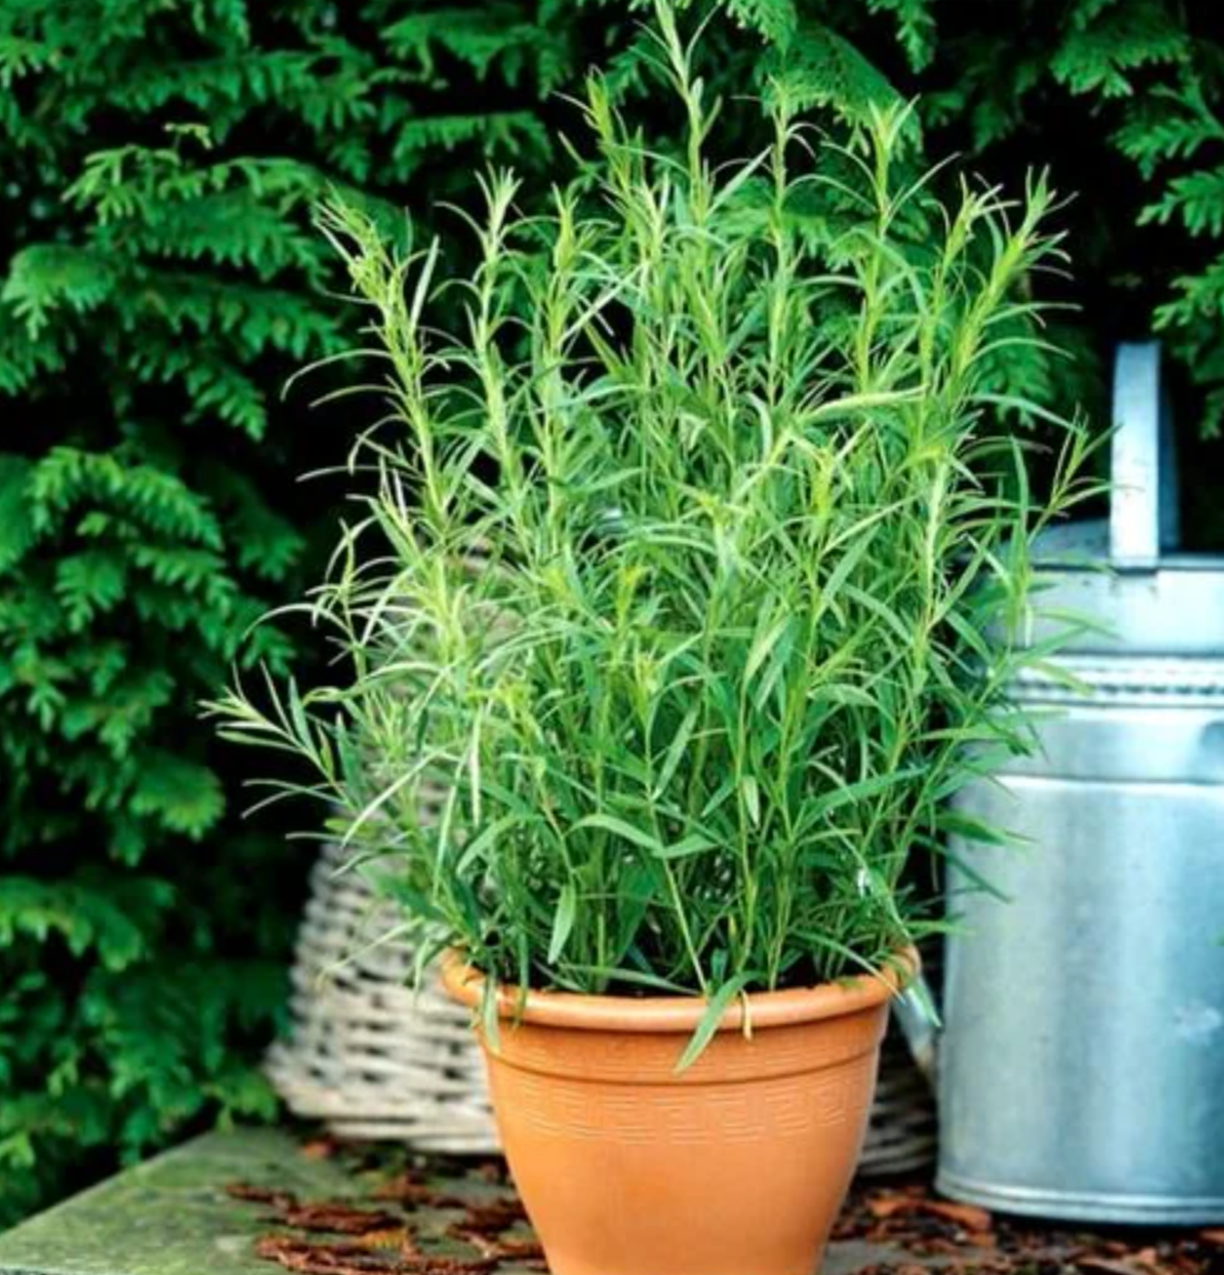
x=173, y=1216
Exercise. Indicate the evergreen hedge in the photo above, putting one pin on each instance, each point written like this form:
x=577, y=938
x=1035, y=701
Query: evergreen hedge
x=159, y=278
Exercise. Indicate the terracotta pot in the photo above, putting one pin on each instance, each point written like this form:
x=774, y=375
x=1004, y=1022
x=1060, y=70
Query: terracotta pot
x=735, y=1166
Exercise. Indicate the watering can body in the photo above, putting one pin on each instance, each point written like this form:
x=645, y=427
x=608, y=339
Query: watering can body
x=1081, y=1070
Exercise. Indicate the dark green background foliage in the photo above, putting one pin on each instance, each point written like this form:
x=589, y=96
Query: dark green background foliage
x=158, y=280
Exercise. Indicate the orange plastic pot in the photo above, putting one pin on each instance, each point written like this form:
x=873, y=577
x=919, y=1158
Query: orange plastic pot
x=735, y=1166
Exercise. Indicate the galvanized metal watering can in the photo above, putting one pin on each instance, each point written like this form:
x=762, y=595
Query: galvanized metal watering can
x=1081, y=1071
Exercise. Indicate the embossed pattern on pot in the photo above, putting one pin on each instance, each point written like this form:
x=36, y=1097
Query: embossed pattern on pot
x=789, y=1107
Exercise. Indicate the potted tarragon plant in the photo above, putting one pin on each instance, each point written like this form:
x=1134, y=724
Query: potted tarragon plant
x=673, y=575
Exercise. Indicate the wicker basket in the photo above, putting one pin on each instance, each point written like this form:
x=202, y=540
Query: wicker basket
x=375, y=1059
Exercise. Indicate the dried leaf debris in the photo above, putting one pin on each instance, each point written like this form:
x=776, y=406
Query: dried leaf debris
x=446, y=1218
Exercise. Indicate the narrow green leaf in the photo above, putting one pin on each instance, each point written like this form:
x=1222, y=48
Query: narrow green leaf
x=619, y=828
x=675, y=750
x=694, y=843
x=711, y=1018
x=750, y=790
x=563, y=921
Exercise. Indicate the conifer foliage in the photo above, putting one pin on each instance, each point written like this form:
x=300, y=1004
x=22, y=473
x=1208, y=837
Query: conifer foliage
x=159, y=277
x=1132, y=93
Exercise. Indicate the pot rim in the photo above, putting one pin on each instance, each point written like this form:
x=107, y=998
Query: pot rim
x=676, y=1014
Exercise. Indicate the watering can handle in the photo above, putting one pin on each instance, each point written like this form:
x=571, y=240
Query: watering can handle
x=1143, y=505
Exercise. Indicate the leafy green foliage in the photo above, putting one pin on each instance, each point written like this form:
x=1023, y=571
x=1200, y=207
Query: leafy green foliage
x=1089, y=84
x=1168, y=136
x=683, y=555
x=158, y=279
